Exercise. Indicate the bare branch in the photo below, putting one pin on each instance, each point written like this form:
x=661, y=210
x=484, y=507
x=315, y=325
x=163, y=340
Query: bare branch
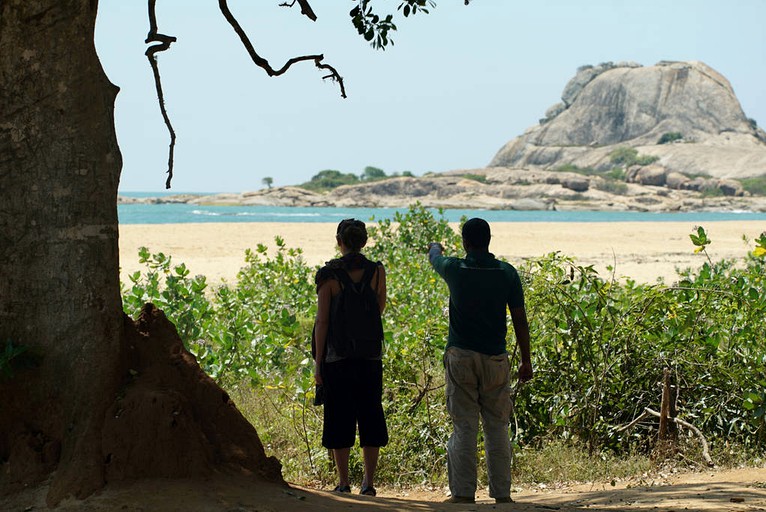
x=164, y=43
x=421, y=395
x=306, y=9
x=264, y=64
x=705, y=447
x=633, y=423
x=650, y=412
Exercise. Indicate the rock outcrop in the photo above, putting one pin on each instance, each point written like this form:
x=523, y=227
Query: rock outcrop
x=625, y=104
x=501, y=188
x=682, y=139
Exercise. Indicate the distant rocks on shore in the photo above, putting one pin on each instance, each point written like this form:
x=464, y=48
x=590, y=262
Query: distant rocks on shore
x=502, y=188
x=689, y=145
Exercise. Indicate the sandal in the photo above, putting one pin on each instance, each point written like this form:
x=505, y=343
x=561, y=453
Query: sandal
x=342, y=488
x=369, y=491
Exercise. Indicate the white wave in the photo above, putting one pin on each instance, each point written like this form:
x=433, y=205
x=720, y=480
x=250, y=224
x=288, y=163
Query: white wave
x=269, y=214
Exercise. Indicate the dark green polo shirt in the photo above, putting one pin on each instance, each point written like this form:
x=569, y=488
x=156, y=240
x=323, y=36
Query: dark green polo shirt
x=480, y=287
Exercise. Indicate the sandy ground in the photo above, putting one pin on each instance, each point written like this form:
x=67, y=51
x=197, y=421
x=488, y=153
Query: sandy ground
x=730, y=490
x=643, y=251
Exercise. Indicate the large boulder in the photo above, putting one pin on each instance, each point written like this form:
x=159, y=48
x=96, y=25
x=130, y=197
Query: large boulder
x=676, y=180
x=653, y=175
x=578, y=184
x=624, y=104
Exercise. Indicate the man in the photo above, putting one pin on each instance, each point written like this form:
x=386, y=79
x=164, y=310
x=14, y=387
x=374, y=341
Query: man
x=476, y=361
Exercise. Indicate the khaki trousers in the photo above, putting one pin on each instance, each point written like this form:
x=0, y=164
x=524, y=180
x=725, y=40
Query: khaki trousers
x=478, y=385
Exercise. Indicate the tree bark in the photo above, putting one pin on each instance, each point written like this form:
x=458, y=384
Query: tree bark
x=59, y=271
x=59, y=292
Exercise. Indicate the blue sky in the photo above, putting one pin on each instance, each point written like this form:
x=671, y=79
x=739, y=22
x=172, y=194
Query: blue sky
x=457, y=85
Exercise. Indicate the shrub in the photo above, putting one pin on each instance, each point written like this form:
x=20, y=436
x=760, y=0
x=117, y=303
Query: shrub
x=756, y=186
x=625, y=157
x=711, y=192
x=615, y=173
x=669, y=137
x=372, y=174
x=599, y=348
x=328, y=180
x=481, y=178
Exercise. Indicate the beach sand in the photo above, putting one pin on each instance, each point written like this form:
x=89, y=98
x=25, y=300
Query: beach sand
x=644, y=251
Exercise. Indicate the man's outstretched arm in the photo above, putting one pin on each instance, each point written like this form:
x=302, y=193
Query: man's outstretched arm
x=435, y=249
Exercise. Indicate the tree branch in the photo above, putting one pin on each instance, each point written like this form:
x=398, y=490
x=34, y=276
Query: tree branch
x=164, y=43
x=264, y=64
x=703, y=441
x=633, y=423
x=426, y=389
x=705, y=447
x=306, y=9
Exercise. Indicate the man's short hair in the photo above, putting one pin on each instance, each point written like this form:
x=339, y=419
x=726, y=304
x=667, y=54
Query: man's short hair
x=476, y=233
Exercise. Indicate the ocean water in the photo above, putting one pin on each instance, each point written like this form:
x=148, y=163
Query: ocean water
x=185, y=213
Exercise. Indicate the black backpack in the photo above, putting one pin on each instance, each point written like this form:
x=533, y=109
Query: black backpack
x=356, y=330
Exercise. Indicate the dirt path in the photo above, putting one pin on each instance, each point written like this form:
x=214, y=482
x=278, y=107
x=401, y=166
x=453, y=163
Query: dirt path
x=730, y=490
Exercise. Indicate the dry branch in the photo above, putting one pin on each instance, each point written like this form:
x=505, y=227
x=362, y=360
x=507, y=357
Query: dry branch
x=705, y=447
x=264, y=64
x=703, y=441
x=423, y=392
x=306, y=9
x=164, y=43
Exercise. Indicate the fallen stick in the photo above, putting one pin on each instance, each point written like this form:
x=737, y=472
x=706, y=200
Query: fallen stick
x=705, y=448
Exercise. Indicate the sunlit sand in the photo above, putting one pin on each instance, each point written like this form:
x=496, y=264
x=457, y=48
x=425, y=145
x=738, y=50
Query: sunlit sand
x=643, y=251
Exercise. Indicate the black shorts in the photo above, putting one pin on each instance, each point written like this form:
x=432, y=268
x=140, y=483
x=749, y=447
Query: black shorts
x=353, y=390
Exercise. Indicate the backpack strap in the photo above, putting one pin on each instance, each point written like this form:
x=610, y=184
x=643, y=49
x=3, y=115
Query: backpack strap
x=369, y=270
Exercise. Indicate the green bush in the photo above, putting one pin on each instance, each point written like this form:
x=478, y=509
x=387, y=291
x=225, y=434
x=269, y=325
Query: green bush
x=625, y=157
x=669, y=137
x=615, y=173
x=481, y=178
x=372, y=174
x=711, y=192
x=756, y=186
x=599, y=348
x=328, y=180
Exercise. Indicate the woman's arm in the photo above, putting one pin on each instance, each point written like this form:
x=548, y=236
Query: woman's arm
x=380, y=290
x=321, y=324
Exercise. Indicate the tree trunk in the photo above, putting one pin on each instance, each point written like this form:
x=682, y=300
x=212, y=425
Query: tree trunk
x=58, y=232
x=59, y=269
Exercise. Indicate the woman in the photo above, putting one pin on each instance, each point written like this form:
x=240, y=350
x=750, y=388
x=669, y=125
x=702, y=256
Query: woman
x=350, y=371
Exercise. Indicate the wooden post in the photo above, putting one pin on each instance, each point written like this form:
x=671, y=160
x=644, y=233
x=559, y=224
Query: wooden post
x=665, y=406
x=668, y=432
